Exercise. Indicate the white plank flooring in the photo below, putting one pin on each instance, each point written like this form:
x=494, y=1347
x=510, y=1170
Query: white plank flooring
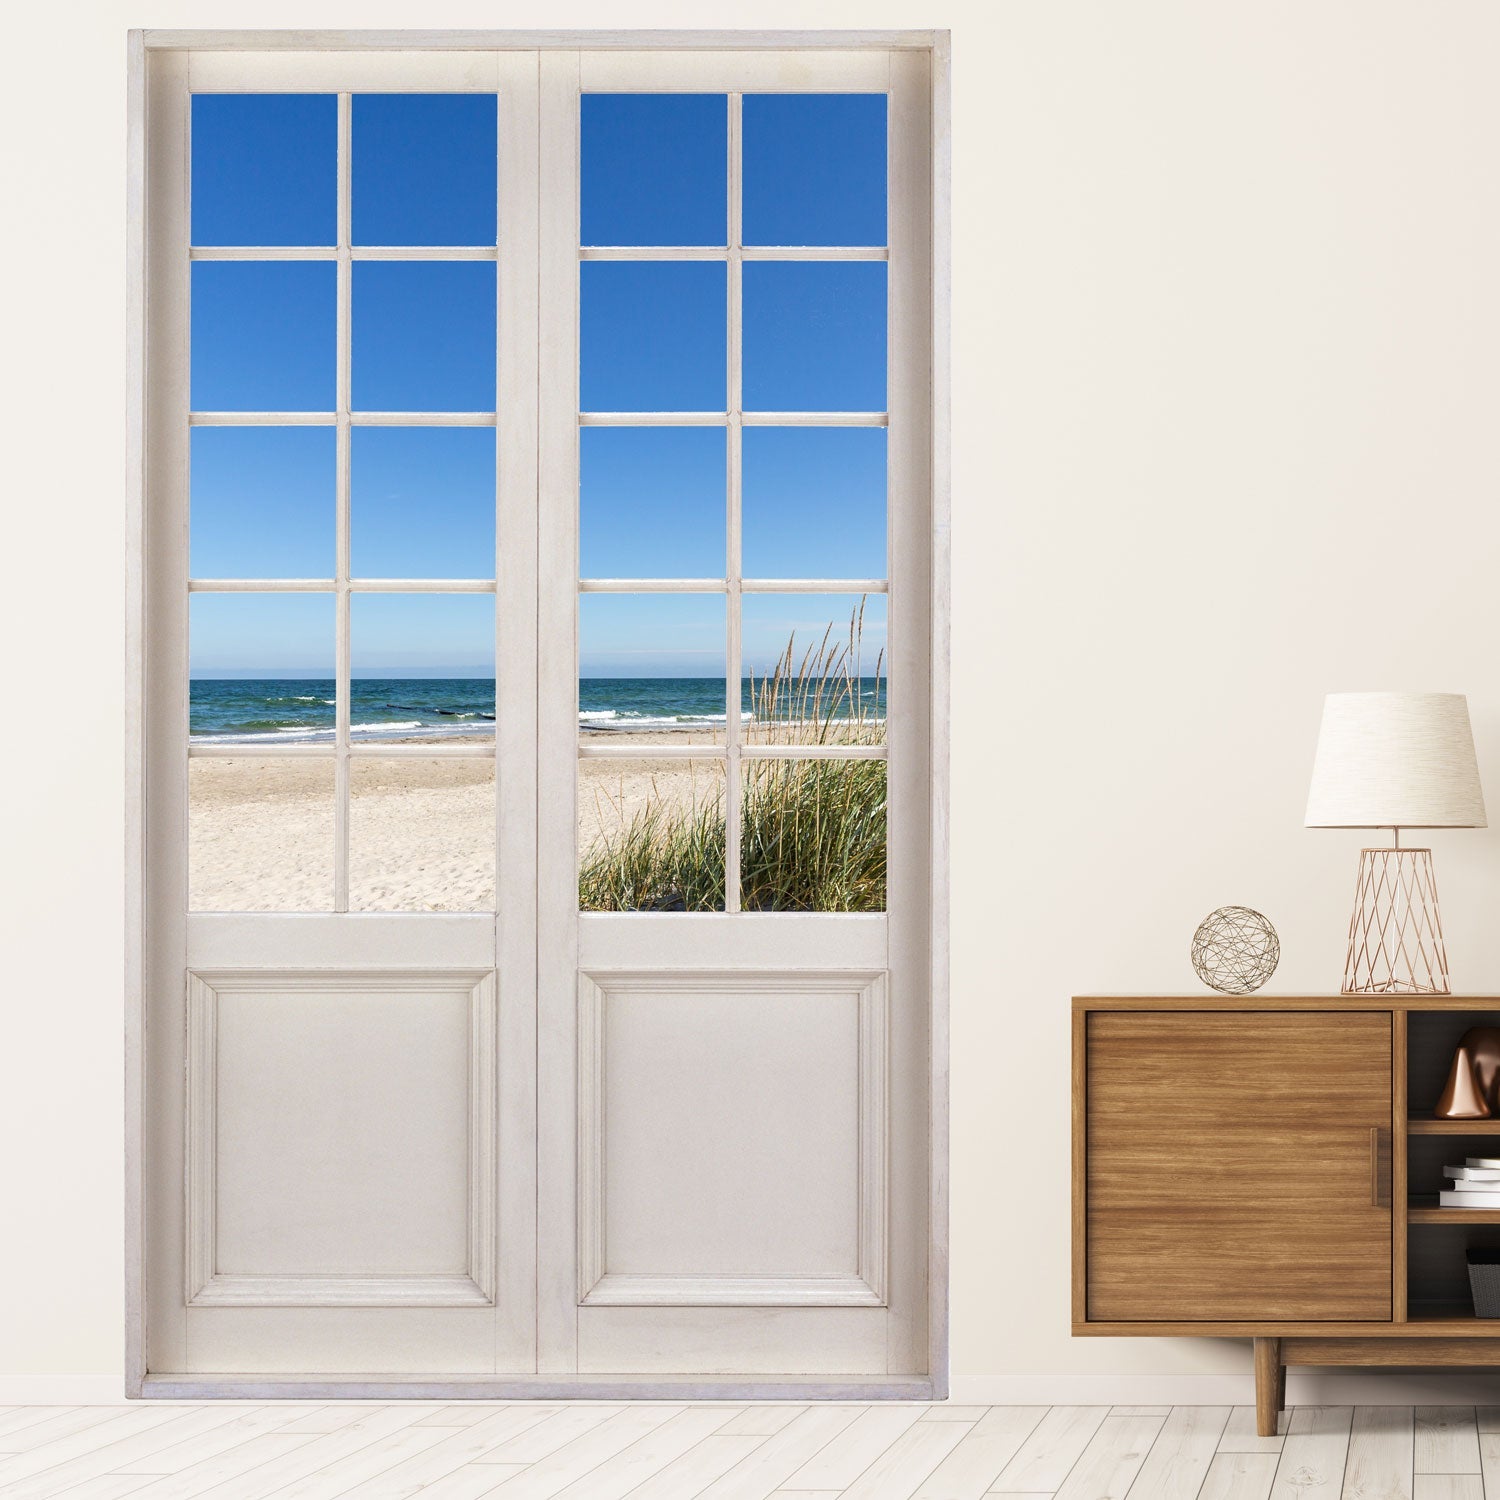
x=742, y=1451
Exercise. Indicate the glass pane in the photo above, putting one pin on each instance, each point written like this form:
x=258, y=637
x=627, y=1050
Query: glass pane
x=651, y=502
x=814, y=502
x=263, y=336
x=424, y=667
x=261, y=668
x=655, y=169
x=813, y=835
x=265, y=169
x=424, y=169
x=260, y=835
x=653, y=336
x=651, y=835
x=651, y=668
x=421, y=835
x=815, y=668
x=422, y=502
x=424, y=336
x=262, y=502
x=814, y=169
x=815, y=336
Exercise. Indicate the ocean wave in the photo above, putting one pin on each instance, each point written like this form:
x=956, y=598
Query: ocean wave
x=264, y=736
x=612, y=720
x=447, y=713
x=396, y=729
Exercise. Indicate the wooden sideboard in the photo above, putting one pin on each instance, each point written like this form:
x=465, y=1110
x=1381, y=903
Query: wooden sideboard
x=1268, y=1167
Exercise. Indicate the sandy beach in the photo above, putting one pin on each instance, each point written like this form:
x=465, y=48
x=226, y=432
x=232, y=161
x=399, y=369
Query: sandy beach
x=421, y=832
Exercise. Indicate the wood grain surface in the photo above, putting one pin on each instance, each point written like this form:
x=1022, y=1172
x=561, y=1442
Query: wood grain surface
x=1228, y=1165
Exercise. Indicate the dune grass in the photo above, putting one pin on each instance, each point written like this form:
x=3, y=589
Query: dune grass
x=812, y=832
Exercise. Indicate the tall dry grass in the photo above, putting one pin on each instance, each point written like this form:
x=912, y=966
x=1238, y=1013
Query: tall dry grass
x=812, y=831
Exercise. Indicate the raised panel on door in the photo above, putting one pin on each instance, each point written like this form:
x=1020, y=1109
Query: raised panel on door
x=1235, y=1164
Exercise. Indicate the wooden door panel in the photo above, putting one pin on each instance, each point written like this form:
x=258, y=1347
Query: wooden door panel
x=1235, y=1166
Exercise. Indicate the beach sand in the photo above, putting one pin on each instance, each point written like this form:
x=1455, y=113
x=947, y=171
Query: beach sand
x=421, y=832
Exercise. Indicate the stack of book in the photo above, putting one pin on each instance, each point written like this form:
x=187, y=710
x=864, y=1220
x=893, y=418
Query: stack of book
x=1476, y=1184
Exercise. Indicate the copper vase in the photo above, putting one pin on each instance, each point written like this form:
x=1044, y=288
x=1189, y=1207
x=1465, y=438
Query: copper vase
x=1462, y=1097
x=1483, y=1046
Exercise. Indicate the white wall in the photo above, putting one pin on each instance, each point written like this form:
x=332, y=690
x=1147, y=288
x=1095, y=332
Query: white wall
x=1227, y=379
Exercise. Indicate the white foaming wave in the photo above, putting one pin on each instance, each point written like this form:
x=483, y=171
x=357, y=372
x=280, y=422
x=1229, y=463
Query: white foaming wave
x=392, y=729
x=402, y=728
x=611, y=719
x=255, y=737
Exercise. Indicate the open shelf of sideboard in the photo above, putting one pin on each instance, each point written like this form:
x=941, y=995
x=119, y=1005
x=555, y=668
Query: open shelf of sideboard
x=1425, y=1210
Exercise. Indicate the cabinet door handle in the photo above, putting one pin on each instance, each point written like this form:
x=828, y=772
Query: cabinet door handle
x=1380, y=1167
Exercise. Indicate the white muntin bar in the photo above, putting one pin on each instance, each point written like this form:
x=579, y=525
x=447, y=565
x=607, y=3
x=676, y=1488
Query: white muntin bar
x=652, y=418
x=722, y=252
x=651, y=585
x=814, y=752
x=329, y=585
x=653, y=252
x=342, y=651
x=815, y=252
x=408, y=750
x=332, y=252
x=595, y=750
x=262, y=419
x=422, y=418
x=263, y=252
x=358, y=750
x=262, y=585
x=600, y=749
x=331, y=418
x=260, y=751
x=815, y=419
x=813, y=585
x=425, y=252
x=721, y=418
x=422, y=585
x=733, y=448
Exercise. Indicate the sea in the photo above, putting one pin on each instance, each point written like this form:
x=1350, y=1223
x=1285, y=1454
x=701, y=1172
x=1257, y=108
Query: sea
x=301, y=710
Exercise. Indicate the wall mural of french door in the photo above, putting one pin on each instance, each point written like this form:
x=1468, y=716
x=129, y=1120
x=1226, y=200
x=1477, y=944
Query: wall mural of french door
x=537, y=723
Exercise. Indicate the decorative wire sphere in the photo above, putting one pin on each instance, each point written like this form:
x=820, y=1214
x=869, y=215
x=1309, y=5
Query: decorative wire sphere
x=1235, y=950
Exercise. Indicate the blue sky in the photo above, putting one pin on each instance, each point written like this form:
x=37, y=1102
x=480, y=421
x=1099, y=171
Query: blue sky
x=652, y=500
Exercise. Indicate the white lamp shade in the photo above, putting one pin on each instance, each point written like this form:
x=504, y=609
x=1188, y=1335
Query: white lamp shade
x=1395, y=760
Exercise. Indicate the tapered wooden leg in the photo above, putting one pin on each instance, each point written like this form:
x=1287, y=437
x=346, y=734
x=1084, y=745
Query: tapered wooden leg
x=1280, y=1385
x=1269, y=1388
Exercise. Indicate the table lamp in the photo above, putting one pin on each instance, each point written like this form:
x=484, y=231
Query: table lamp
x=1395, y=760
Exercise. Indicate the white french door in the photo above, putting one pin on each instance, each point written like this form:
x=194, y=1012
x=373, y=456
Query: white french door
x=563, y=1022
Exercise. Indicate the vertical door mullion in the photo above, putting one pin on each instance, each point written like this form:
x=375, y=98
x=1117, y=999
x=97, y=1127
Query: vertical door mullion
x=908, y=724
x=733, y=439
x=344, y=335
x=166, y=704
x=516, y=799
x=557, y=715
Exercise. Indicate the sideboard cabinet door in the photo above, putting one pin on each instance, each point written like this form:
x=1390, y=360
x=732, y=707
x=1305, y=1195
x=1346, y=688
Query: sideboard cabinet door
x=1234, y=1166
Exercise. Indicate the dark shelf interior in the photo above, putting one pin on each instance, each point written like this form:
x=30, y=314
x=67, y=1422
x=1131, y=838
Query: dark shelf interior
x=1431, y=1037
x=1437, y=1273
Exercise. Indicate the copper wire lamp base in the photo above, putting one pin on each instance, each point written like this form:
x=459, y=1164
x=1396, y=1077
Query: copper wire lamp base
x=1396, y=935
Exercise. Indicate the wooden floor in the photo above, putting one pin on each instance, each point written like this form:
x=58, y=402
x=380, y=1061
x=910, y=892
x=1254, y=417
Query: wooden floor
x=660, y=1451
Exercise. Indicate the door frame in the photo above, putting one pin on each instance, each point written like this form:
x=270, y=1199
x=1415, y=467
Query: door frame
x=139, y=1381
